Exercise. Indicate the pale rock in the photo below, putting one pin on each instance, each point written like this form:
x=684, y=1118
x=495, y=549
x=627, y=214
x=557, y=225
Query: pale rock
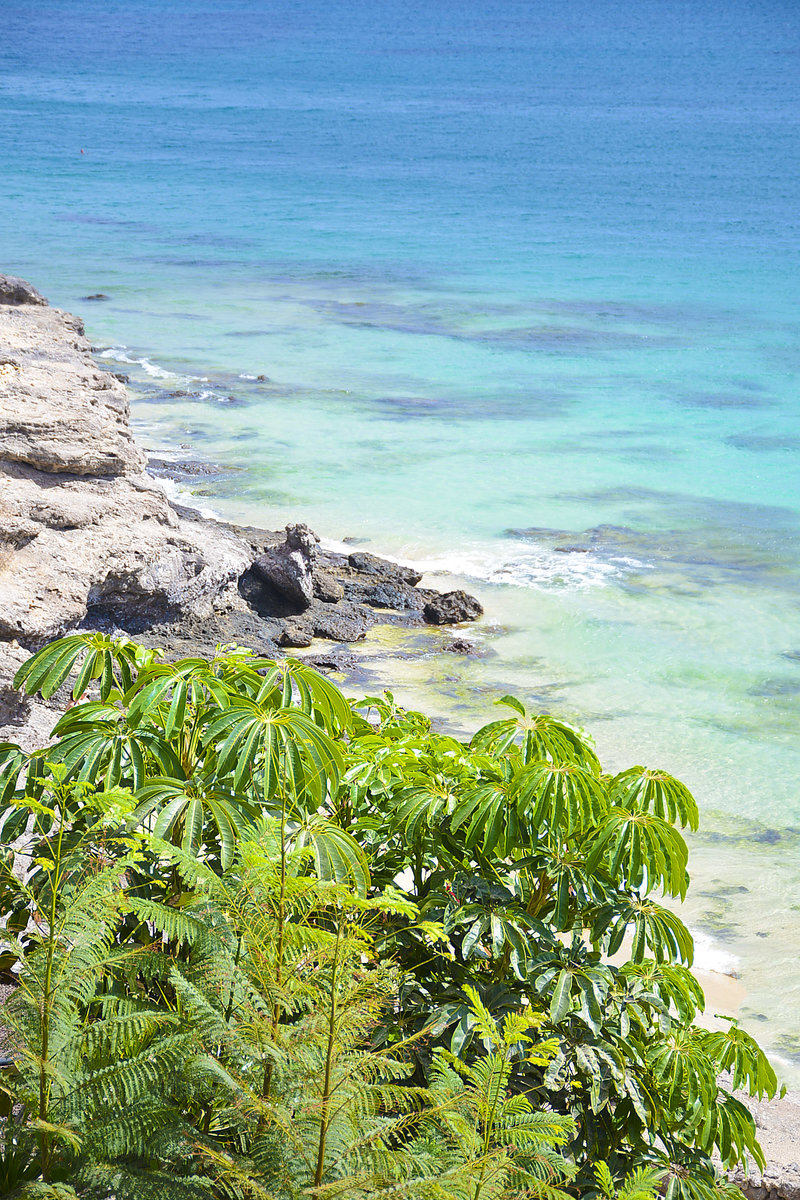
x=82, y=529
x=59, y=412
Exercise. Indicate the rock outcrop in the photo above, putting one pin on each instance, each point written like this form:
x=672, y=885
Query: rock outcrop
x=18, y=291
x=778, y=1131
x=286, y=572
x=83, y=529
x=89, y=539
x=451, y=608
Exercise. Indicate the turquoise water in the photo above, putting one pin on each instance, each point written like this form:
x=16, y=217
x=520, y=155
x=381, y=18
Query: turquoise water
x=521, y=278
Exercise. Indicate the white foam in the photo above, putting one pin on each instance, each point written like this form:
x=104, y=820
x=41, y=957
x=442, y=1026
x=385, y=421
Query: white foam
x=118, y=354
x=528, y=565
x=154, y=370
x=181, y=495
x=519, y=563
x=710, y=956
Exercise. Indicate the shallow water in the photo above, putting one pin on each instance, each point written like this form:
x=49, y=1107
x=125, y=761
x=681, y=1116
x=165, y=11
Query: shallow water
x=522, y=285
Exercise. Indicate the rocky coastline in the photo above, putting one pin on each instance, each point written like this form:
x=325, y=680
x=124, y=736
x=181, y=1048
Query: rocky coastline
x=90, y=540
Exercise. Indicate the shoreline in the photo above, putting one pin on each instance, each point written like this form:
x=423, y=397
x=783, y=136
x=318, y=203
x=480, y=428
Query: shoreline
x=92, y=538
x=101, y=468
x=371, y=662
x=724, y=990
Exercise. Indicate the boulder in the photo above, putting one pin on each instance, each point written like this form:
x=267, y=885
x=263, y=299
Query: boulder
x=450, y=608
x=287, y=569
x=327, y=587
x=390, y=593
x=343, y=622
x=296, y=633
x=19, y=291
x=370, y=564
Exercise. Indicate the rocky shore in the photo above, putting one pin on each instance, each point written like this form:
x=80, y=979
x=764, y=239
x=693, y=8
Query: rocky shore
x=89, y=539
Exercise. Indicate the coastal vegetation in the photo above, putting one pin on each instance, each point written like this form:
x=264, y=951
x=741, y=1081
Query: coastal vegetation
x=270, y=943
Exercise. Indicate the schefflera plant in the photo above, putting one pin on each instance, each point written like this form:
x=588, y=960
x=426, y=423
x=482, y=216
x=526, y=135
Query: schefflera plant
x=532, y=870
x=549, y=877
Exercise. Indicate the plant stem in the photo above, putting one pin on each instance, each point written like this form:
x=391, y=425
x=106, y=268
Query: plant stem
x=489, y=1124
x=44, y=1085
x=326, y=1084
x=237, y=956
x=276, y=1014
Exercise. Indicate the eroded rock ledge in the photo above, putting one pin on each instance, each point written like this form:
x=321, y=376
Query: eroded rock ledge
x=89, y=539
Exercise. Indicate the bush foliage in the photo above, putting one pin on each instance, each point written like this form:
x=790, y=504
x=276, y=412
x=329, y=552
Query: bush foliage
x=272, y=944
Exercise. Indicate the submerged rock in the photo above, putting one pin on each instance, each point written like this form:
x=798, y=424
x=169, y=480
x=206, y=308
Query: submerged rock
x=460, y=646
x=335, y=659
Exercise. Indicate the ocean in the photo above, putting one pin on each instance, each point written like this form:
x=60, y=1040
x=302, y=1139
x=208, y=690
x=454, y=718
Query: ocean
x=505, y=288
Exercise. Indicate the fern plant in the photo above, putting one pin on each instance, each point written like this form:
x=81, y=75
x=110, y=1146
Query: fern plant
x=493, y=1143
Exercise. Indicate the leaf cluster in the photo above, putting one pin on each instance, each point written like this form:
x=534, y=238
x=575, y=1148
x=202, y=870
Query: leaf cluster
x=272, y=944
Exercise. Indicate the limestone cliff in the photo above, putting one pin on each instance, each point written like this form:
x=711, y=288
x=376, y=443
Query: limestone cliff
x=81, y=525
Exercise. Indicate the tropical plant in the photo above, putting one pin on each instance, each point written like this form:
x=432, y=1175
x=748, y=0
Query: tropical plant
x=490, y=1139
x=502, y=876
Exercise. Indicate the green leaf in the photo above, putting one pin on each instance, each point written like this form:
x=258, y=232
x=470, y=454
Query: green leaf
x=561, y=998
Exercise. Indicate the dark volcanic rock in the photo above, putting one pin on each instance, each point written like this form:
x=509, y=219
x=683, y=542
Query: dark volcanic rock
x=370, y=564
x=460, y=646
x=327, y=587
x=393, y=594
x=296, y=633
x=335, y=659
x=287, y=570
x=451, y=608
x=97, y=296
x=18, y=291
x=195, y=635
x=343, y=622
x=183, y=471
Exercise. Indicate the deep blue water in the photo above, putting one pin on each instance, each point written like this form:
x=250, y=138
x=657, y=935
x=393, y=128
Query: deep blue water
x=520, y=276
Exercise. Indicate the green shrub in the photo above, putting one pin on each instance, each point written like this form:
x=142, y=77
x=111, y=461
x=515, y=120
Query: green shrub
x=272, y=944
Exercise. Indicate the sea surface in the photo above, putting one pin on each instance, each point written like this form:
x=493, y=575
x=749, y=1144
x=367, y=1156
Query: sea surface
x=505, y=288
